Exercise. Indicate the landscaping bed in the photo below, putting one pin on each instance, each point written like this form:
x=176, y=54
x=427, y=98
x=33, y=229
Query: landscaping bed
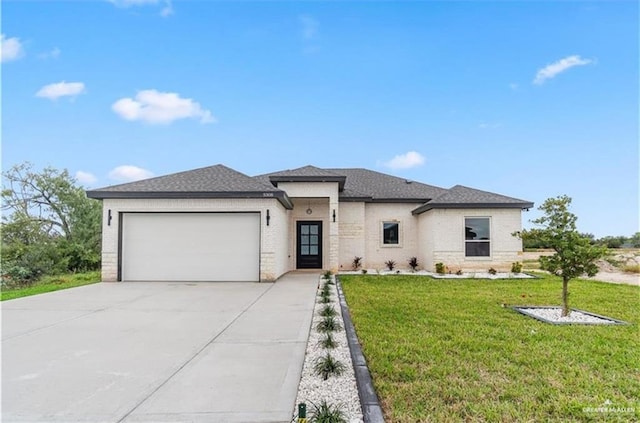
x=454, y=350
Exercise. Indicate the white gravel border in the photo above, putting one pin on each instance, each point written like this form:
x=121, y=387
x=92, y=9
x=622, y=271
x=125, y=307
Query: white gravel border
x=337, y=390
x=554, y=315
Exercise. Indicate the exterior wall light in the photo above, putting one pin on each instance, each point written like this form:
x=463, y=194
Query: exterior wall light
x=268, y=217
x=334, y=215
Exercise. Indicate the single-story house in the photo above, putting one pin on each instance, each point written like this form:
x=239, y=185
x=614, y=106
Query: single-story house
x=217, y=224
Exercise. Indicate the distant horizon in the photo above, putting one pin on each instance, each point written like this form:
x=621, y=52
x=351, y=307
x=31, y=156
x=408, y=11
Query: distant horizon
x=530, y=99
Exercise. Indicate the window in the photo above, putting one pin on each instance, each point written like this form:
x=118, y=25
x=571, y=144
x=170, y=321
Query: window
x=390, y=233
x=477, y=237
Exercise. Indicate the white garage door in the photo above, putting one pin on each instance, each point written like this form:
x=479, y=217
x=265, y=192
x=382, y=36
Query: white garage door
x=190, y=247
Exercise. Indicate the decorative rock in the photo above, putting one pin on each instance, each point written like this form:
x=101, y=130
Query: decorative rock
x=554, y=315
x=337, y=390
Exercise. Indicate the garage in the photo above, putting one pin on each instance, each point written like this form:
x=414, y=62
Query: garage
x=190, y=247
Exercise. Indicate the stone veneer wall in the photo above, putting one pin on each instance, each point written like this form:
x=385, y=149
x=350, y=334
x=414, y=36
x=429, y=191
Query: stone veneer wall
x=443, y=233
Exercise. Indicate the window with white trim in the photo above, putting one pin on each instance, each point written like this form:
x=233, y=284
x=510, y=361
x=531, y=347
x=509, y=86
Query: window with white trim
x=477, y=237
x=390, y=233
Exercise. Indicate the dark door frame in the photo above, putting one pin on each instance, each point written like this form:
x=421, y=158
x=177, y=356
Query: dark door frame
x=308, y=261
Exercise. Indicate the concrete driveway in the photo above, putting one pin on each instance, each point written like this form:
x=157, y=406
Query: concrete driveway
x=157, y=352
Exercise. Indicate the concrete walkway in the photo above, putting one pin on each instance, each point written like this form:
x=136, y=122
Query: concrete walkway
x=157, y=352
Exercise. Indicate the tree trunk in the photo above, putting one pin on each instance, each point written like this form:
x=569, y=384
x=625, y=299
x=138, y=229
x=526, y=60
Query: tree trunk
x=565, y=297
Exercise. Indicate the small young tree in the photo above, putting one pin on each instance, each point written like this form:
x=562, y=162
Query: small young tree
x=574, y=254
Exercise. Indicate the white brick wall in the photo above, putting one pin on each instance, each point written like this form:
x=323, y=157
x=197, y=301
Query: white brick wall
x=324, y=196
x=273, y=238
x=443, y=233
x=434, y=236
x=352, y=233
x=375, y=252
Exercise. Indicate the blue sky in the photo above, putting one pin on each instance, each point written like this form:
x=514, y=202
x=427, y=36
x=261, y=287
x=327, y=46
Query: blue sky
x=527, y=99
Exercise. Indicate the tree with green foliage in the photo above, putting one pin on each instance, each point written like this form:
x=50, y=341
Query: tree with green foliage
x=48, y=225
x=574, y=254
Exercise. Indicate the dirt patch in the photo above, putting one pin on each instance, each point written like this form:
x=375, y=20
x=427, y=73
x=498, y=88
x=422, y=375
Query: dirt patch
x=610, y=267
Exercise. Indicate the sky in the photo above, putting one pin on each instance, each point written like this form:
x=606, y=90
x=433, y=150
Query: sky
x=527, y=99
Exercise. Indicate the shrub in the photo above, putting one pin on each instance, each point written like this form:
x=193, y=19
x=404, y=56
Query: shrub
x=327, y=275
x=440, y=268
x=328, y=311
x=492, y=271
x=413, y=263
x=459, y=272
x=356, y=263
x=326, y=413
x=325, y=299
x=633, y=268
x=516, y=267
x=390, y=264
x=328, y=324
x=328, y=342
x=364, y=271
x=326, y=366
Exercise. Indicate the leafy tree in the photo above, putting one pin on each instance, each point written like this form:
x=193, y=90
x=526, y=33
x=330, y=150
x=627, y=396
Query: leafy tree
x=634, y=240
x=48, y=225
x=612, y=241
x=574, y=255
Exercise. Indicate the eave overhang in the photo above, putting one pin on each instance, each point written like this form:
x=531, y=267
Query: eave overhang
x=427, y=206
x=275, y=179
x=281, y=196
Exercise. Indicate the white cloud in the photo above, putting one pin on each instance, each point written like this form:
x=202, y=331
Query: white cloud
x=310, y=27
x=86, y=178
x=53, y=54
x=513, y=86
x=554, y=69
x=10, y=49
x=129, y=173
x=406, y=161
x=61, y=89
x=156, y=107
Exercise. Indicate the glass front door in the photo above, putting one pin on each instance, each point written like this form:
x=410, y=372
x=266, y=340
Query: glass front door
x=309, y=245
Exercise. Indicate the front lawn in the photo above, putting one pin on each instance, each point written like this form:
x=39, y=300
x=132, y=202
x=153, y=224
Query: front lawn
x=49, y=284
x=448, y=351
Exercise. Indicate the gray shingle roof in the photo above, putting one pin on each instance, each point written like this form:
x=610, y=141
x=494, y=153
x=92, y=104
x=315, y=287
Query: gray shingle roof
x=216, y=181
x=380, y=186
x=220, y=181
x=306, y=171
x=460, y=196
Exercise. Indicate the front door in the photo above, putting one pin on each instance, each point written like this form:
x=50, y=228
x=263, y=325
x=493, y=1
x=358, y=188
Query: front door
x=309, y=245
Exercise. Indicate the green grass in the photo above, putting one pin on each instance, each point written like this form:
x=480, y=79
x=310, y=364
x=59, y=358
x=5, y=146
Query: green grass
x=447, y=351
x=49, y=284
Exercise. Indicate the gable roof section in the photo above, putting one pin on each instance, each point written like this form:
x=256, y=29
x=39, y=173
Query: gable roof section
x=461, y=197
x=216, y=181
x=305, y=174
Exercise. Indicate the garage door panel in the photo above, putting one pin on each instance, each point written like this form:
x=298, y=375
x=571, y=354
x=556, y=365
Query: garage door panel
x=191, y=246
